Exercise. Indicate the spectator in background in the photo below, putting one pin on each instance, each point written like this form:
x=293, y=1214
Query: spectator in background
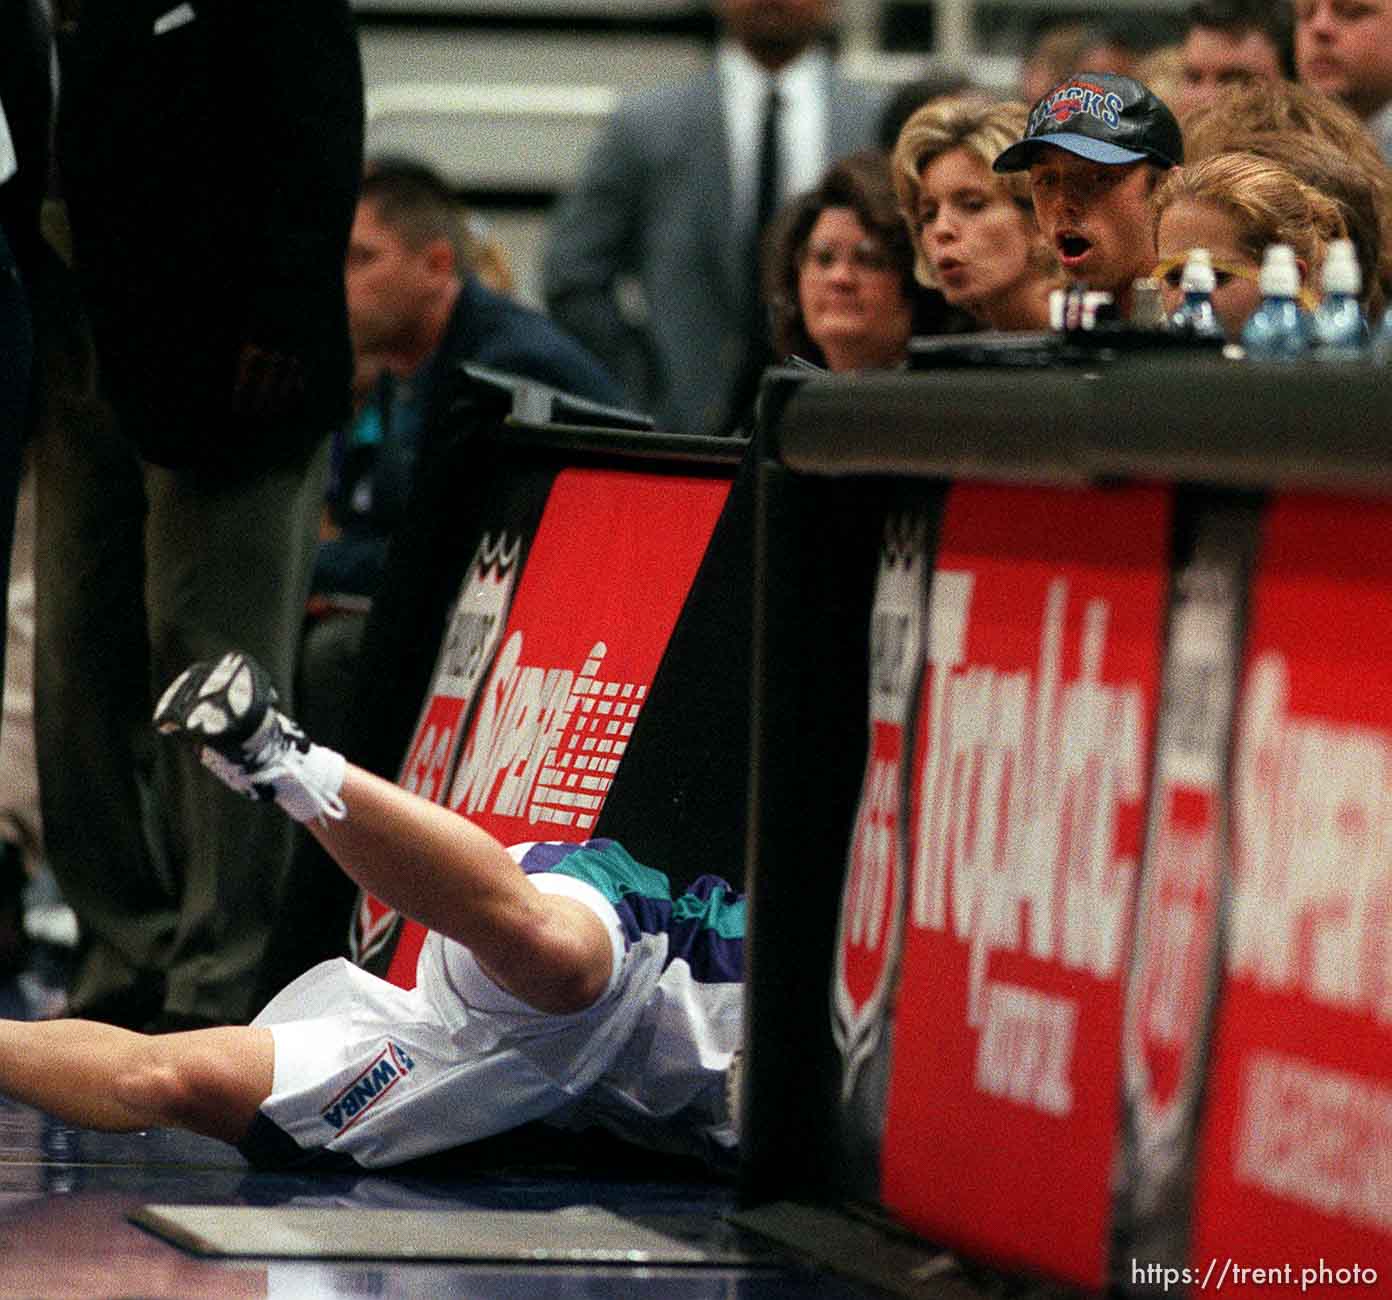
x=1162, y=69
x=675, y=197
x=912, y=96
x=1324, y=144
x=1056, y=49
x=838, y=274
x=1096, y=147
x=1234, y=205
x=975, y=236
x=210, y=157
x=417, y=313
x=1344, y=48
x=1117, y=45
x=1228, y=41
x=487, y=257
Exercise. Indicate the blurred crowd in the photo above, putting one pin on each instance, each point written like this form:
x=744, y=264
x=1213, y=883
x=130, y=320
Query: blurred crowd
x=225, y=335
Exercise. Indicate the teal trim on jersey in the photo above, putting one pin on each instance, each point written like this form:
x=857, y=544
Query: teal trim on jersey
x=612, y=870
x=715, y=913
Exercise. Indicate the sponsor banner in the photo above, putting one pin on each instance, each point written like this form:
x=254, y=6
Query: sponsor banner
x=872, y=903
x=547, y=723
x=472, y=634
x=471, y=641
x=1174, y=970
x=1296, y=1149
x=1027, y=799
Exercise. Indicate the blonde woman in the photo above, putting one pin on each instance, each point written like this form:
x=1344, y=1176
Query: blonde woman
x=1234, y=205
x=1321, y=141
x=974, y=233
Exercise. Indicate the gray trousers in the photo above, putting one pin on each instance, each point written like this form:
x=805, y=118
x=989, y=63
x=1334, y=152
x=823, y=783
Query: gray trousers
x=139, y=572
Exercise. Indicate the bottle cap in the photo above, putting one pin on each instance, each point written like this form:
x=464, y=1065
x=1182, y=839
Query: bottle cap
x=1341, y=272
x=1280, y=277
x=1198, y=272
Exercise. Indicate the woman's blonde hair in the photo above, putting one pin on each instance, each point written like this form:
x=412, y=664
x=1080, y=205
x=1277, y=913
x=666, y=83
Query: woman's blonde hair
x=1322, y=142
x=1267, y=203
x=983, y=130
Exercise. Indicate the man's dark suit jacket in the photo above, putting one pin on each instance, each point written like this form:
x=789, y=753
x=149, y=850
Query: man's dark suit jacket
x=210, y=154
x=370, y=493
x=25, y=94
x=654, y=203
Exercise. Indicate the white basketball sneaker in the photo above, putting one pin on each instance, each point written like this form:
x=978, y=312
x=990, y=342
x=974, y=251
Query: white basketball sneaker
x=228, y=710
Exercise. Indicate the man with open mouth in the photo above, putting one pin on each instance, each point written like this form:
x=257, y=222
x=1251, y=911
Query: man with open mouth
x=1095, y=148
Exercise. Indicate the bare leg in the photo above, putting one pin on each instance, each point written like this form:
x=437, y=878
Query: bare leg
x=427, y=862
x=210, y=1081
x=438, y=867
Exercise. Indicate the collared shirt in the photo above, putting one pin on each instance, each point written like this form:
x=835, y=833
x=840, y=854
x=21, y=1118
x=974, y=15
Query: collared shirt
x=804, y=151
x=9, y=164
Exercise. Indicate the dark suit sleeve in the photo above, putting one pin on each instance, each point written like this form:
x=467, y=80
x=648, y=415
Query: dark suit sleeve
x=304, y=148
x=210, y=167
x=25, y=97
x=536, y=349
x=593, y=242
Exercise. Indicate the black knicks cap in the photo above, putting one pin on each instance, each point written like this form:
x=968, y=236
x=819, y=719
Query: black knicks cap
x=1101, y=117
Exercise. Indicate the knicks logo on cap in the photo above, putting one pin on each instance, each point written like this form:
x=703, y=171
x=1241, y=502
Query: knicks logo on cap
x=1073, y=99
x=1064, y=109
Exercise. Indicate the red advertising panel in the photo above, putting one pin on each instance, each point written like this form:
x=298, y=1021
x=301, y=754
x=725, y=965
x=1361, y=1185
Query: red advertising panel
x=1295, y=1179
x=552, y=673
x=472, y=633
x=1027, y=807
x=1174, y=971
x=872, y=903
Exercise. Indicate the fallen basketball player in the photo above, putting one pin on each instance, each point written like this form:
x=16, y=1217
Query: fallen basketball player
x=559, y=982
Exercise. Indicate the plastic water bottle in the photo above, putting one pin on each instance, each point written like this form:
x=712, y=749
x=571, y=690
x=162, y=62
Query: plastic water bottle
x=1195, y=316
x=1338, y=327
x=1147, y=309
x=1279, y=329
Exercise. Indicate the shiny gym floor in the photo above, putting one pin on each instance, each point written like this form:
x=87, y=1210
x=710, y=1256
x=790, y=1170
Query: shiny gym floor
x=67, y=1196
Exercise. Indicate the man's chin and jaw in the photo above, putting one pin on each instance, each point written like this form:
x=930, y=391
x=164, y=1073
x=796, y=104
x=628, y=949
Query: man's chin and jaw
x=1331, y=77
x=775, y=31
x=1348, y=58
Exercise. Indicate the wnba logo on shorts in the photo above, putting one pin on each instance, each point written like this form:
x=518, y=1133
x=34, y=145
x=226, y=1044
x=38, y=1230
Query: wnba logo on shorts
x=387, y=1069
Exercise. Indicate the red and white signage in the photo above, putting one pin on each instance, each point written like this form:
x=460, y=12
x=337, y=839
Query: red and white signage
x=1173, y=982
x=530, y=749
x=872, y=904
x=1027, y=802
x=466, y=653
x=1296, y=1156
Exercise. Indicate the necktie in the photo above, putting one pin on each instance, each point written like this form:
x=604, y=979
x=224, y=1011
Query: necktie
x=766, y=195
x=769, y=182
x=766, y=189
